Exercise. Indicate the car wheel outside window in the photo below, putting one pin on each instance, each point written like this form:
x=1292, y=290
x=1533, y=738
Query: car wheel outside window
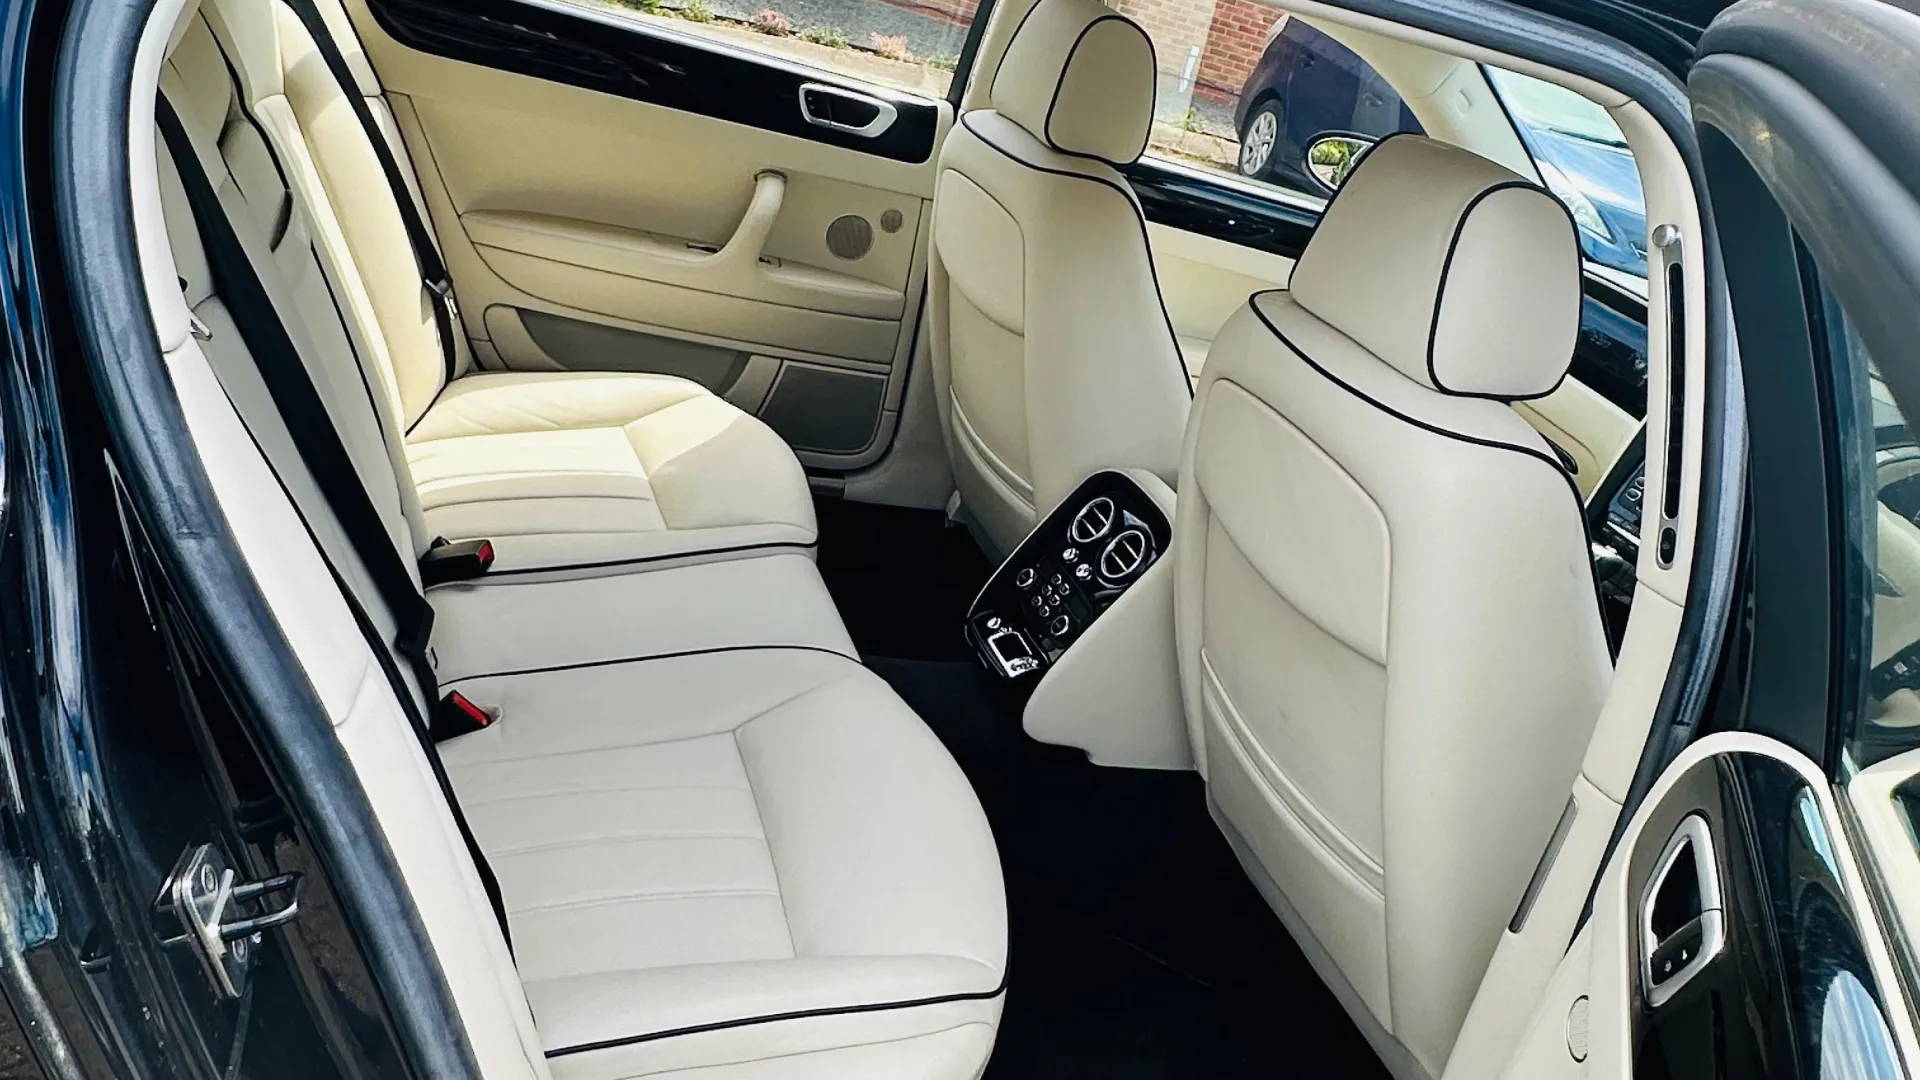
x=1257, y=143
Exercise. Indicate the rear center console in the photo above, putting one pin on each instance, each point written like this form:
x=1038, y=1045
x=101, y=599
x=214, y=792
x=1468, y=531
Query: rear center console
x=1066, y=574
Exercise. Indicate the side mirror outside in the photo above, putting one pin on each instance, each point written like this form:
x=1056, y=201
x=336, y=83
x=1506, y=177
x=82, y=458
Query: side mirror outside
x=1331, y=157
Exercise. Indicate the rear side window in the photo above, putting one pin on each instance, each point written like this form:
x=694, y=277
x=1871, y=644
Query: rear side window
x=908, y=46
x=1260, y=98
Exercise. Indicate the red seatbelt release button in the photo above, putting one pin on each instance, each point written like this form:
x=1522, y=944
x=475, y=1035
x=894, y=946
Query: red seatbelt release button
x=457, y=715
x=463, y=561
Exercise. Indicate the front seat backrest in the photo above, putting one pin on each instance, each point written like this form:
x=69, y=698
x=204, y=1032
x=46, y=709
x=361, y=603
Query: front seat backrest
x=1053, y=356
x=1390, y=646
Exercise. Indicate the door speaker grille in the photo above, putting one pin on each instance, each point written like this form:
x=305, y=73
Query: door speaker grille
x=850, y=236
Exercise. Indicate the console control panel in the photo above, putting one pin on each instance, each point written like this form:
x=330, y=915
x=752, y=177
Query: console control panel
x=1624, y=512
x=1066, y=573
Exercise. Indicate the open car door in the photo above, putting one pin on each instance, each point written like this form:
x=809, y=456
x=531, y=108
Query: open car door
x=1756, y=916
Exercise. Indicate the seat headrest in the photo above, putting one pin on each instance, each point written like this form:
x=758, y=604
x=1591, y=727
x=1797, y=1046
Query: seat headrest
x=1079, y=77
x=1458, y=272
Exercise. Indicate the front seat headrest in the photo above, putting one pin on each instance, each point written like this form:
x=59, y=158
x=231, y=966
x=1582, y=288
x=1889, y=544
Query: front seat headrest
x=1079, y=77
x=1455, y=270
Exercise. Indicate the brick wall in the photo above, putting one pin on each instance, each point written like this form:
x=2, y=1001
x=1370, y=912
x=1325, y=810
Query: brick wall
x=1235, y=40
x=1175, y=26
x=1231, y=35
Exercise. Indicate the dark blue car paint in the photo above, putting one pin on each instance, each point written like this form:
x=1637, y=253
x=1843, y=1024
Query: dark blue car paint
x=1322, y=87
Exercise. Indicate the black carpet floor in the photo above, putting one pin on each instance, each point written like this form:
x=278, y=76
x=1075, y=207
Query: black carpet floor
x=1139, y=949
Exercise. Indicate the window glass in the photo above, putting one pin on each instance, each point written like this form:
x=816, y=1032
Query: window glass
x=1245, y=90
x=1881, y=704
x=909, y=45
x=1583, y=159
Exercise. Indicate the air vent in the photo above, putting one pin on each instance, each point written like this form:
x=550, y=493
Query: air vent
x=1092, y=522
x=1125, y=555
x=850, y=236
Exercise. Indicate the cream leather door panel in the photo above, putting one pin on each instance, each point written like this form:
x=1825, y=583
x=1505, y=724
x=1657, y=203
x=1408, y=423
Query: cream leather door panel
x=1203, y=280
x=616, y=195
x=1593, y=416
x=1588, y=428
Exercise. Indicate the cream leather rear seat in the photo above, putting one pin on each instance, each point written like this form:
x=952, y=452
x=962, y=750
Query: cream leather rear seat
x=724, y=846
x=557, y=468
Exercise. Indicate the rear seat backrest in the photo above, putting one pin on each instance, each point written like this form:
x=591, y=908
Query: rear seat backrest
x=248, y=176
x=277, y=233
x=288, y=86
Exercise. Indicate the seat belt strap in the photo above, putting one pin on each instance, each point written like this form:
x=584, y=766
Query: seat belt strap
x=426, y=256
x=417, y=721
x=301, y=406
x=318, y=443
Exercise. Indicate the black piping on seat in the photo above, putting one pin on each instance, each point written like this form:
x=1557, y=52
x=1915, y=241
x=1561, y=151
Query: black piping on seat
x=1133, y=201
x=1560, y=470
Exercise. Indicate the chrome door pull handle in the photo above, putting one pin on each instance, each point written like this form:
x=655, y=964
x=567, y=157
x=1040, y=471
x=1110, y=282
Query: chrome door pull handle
x=817, y=101
x=1670, y=961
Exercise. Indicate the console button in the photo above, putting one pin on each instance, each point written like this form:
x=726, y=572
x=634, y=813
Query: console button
x=1024, y=579
x=1070, y=555
x=1083, y=572
x=1059, y=626
x=1039, y=602
x=1055, y=579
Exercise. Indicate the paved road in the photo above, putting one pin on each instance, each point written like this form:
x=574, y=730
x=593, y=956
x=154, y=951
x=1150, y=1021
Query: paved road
x=927, y=36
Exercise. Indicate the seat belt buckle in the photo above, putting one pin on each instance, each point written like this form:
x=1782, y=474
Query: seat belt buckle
x=443, y=289
x=457, y=715
x=446, y=561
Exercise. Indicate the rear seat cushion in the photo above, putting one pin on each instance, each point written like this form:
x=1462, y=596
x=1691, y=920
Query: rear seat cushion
x=734, y=856
x=581, y=468
x=506, y=623
x=558, y=468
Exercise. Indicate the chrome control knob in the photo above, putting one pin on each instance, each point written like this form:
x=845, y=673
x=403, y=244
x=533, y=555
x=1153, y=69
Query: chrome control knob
x=1060, y=625
x=1024, y=579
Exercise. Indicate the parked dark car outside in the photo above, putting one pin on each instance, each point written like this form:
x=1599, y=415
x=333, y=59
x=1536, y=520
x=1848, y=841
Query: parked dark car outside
x=1307, y=86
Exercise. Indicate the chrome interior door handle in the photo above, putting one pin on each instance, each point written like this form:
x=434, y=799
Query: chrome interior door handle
x=846, y=110
x=1682, y=920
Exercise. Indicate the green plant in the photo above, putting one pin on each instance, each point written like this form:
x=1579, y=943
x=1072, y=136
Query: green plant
x=830, y=36
x=1333, y=157
x=944, y=63
x=696, y=11
x=1191, y=122
x=651, y=7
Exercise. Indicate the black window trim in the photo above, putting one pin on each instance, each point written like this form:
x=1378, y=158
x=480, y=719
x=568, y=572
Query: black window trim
x=575, y=45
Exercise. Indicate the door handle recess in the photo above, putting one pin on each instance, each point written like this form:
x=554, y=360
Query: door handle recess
x=1682, y=917
x=846, y=110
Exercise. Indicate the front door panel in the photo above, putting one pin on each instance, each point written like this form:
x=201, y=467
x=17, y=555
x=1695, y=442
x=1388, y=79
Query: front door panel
x=619, y=196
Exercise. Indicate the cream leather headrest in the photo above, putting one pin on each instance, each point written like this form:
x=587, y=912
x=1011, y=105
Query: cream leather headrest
x=1458, y=272
x=1079, y=77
